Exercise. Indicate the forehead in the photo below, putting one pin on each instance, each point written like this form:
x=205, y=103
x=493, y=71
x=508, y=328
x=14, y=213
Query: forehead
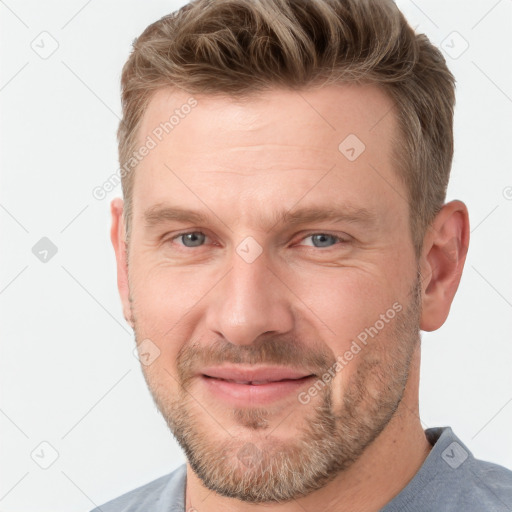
x=273, y=146
x=312, y=117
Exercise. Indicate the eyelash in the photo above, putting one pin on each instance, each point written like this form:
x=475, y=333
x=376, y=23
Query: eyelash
x=341, y=240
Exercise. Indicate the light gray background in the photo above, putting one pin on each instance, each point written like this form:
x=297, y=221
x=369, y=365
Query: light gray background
x=68, y=374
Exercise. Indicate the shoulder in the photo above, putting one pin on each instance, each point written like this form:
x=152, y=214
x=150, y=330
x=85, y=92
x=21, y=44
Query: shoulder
x=166, y=492
x=473, y=481
x=488, y=481
x=452, y=479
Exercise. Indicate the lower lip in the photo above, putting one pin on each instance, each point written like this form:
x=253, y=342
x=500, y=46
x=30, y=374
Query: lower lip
x=255, y=394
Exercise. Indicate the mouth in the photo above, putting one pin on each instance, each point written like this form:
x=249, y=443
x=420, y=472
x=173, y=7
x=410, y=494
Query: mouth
x=254, y=374
x=256, y=382
x=254, y=386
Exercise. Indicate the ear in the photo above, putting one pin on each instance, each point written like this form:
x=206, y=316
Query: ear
x=444, y=252
x=118, y=237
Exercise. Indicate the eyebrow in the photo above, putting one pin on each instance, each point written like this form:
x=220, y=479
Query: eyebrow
x=314, y=214
x=160, y=214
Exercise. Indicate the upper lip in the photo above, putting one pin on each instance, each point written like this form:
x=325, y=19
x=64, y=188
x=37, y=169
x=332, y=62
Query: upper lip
x=252, y=374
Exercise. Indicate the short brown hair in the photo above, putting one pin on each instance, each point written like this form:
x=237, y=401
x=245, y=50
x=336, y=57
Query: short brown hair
x=240, y=47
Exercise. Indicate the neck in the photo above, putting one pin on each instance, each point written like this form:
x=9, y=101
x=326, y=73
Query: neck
x=382, y=471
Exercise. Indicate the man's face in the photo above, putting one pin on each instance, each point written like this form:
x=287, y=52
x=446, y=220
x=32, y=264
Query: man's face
x=283, y=335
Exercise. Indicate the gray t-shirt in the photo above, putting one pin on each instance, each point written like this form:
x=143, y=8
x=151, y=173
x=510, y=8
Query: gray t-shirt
x=449, y=480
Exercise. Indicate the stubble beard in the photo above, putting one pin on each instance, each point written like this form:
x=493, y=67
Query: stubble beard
x=261, y=467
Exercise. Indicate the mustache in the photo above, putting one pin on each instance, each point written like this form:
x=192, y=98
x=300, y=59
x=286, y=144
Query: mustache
x=268, y=350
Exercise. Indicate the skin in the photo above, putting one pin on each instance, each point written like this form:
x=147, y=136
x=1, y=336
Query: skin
x=238, y=162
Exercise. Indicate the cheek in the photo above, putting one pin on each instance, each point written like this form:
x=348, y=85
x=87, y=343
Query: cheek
x=342, y=302
x=360, y=310
x=169, y=304
x=163, y=294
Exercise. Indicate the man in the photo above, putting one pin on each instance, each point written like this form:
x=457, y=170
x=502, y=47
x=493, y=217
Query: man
x=283, y=240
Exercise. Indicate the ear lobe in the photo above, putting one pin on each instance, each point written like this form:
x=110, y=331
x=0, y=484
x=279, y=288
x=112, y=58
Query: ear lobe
x=118, y=238
x=444, y=253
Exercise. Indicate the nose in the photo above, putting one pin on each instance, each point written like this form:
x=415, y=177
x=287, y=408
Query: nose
x=250, y=301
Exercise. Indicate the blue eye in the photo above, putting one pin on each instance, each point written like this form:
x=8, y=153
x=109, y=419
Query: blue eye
x=192, y=239
x=322, y=240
